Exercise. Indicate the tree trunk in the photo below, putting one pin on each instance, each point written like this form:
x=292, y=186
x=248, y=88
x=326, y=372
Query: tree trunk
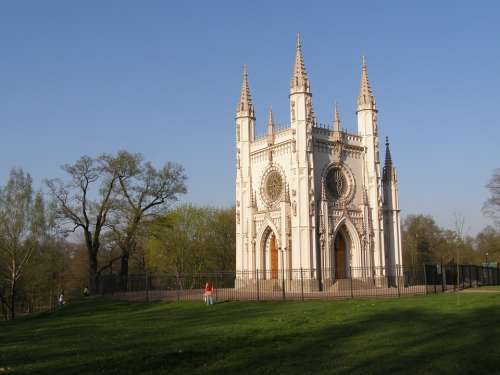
x=93, y=275
x=124, y=270
x=13, y=300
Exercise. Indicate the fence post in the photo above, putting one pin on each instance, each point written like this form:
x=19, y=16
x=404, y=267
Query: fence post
x=425, y=279
x=283, y=281
x=302, y=284
x=258, y=292
x=350, y=280
x=463, y=276
x=147, y=286
x=434, y=278
x=470, y=276
x=443, y=277
x=177, y=281
x=398, y=279
x=216, y=286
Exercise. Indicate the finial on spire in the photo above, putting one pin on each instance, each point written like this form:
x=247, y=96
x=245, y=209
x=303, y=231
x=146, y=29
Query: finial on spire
x=245, y=105
x=336, y=118
x=299, y=82
x=366, y=100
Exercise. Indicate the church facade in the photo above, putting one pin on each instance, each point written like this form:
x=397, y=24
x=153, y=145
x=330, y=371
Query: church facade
x=310, y=196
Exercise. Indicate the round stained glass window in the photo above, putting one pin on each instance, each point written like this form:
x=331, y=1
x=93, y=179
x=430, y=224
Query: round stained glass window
x=336, y=183
x=274, y=186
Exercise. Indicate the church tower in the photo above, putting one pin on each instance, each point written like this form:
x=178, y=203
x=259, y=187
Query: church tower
x=310, y=196
x=368, y=130
x=245, y=135
x=302, y=166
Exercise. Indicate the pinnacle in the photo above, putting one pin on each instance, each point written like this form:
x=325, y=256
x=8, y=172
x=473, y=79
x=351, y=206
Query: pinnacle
x=245, y=103
x=388, y=158
x=336, y=118
x=299, y=81
x=270, y=121
x=365, y=98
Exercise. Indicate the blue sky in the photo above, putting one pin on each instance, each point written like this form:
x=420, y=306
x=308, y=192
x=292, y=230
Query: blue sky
x=163, y=78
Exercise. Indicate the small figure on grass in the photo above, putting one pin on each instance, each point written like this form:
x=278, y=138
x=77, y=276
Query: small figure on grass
x=208, y=294
x=86, y=291
x=61, y=300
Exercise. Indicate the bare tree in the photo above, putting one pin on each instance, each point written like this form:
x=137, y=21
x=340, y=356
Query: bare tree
x=142, y=193
x=84, y=203
x=19, y=227
x=491, y=207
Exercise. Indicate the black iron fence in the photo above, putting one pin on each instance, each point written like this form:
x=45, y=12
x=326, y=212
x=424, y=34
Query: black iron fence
x=301, y=284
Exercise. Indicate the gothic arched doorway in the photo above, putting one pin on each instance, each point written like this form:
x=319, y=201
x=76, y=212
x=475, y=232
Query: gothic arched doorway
x=270, y=260
x=339, y=252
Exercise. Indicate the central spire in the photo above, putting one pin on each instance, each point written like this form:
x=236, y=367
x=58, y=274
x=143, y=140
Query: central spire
x=270, y=122
x=299, y=82
x=336, y=119
x=366, y=100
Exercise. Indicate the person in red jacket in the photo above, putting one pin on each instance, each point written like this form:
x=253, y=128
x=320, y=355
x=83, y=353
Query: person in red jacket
x=209, y=289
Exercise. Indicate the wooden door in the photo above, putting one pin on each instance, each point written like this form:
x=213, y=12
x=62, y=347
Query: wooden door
x=274, y=257
x=340, y=257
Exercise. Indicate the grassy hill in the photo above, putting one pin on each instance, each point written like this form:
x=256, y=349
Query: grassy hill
x=447, y=333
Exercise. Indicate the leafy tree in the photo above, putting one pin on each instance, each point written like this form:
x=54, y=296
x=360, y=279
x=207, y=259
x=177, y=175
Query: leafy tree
x=425, y=242
x=420, y=236
x=192, y=239
x=142, y=193
x=488, y=244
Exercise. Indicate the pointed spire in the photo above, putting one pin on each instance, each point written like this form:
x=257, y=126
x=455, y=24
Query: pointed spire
x=299, y=82
x=245, y=105
x=366, y=100
x=270, y=122
x=388, y=159
x=270, y=127
x=388, y=171
x=336, y=119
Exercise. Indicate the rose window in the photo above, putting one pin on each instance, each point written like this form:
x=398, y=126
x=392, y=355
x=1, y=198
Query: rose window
x=336, y=183
x=274, y=186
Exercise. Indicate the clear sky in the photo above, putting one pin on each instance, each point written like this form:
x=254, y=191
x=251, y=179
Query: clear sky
x=163, y=79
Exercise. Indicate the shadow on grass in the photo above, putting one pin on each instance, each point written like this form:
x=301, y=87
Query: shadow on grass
x=426, y=335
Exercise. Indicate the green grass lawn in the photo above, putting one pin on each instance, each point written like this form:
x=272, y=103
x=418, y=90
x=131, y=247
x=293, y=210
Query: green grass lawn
x=445, y=334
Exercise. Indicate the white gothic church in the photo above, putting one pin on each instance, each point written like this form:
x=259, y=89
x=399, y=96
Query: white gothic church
x=310, y=196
